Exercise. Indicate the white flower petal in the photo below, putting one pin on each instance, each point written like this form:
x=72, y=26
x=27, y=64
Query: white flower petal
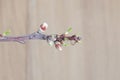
x=45, y=24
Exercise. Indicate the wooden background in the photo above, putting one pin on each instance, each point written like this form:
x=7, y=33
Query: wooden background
x=96, y=58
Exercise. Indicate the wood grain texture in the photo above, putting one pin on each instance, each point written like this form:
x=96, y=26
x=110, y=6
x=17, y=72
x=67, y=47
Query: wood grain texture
x=13, y=55
x=96, y=58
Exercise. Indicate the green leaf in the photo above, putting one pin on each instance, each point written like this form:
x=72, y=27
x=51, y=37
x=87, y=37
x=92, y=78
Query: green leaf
x=7, y=32
x=69, y=30
x=65, y=44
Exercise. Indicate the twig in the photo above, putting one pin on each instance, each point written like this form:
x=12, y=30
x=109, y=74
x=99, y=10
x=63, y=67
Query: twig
x=57, y=40
x=22, y=39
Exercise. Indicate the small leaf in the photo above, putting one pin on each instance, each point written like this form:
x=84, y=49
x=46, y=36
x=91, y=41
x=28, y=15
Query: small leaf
x=64, y=44
x=6, y=33
x=69, y=30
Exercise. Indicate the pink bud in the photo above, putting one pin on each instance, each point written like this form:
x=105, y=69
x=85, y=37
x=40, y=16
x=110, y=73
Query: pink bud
x=43, y=27
x=58, y=46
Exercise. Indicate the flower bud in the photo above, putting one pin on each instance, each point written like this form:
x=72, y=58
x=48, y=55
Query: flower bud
x=43, y=27
x=58, y=46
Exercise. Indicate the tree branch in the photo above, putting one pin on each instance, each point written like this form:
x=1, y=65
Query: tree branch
x=22, y=39
x=57, y=40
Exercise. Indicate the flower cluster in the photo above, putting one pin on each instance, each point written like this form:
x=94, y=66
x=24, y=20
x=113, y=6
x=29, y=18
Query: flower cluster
x=59, y=40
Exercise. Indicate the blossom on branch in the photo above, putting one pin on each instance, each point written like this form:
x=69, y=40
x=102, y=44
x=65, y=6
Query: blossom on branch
x=58, y=40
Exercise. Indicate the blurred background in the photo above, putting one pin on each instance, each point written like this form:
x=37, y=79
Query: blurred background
x=96, y=58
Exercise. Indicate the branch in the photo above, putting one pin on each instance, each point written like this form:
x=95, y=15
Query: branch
x=23, y=39
x=57, y=40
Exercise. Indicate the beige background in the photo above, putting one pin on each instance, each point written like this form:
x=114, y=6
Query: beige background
x=96, y=58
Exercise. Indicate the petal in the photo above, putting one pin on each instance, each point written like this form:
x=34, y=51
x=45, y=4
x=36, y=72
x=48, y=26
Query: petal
x=65, y=44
